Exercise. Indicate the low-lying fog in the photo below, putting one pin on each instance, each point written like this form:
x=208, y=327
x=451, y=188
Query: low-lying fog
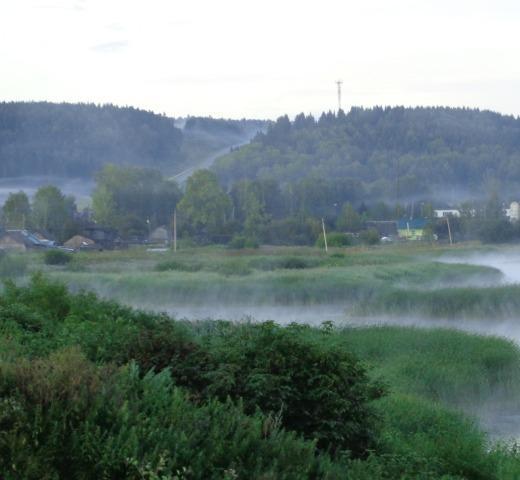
x=508, y=262
x=81, y=189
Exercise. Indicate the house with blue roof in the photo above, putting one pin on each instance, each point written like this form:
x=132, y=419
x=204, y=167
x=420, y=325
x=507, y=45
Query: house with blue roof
x=411, y=229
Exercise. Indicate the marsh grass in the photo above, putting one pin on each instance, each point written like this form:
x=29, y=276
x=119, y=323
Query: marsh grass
x=456, y=302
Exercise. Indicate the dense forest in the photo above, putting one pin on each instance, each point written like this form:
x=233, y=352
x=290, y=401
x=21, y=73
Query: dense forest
x=77, y=140
x=391, y=153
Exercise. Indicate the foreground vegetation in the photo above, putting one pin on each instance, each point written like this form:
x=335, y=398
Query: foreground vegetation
x=92, y=389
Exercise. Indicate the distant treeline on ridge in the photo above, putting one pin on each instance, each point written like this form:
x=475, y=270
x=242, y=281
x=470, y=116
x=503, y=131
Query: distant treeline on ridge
x=391, y=152
x=77, y=140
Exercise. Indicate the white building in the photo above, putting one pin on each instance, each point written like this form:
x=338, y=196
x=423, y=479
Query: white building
x=513, y=212
x=446, y=213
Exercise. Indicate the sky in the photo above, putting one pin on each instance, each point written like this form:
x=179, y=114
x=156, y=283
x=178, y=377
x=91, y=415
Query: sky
x=245, y=59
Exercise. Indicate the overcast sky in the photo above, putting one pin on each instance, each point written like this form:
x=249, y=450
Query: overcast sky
x=238, y=58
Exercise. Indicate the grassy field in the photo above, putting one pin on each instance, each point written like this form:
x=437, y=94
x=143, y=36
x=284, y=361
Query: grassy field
x=392, y=280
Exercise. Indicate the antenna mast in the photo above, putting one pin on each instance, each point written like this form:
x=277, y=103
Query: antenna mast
x=338, y=83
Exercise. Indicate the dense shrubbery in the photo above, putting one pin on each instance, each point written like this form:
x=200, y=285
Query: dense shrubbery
x=179, y=266
x=320, y=392
x=91, y=389
x=57, y=257
x=239, y=241
x=335, y=239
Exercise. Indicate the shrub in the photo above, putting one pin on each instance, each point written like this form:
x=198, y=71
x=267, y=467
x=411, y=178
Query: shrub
x=320, y=392
x=296, y=263
x=335, y=239
x=233, y=268
x=64, y=417
x=179, y=266
x=369, y=237
x=56, y=257
x=239, y=242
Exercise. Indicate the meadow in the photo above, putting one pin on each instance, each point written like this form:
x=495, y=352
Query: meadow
x=362, y=281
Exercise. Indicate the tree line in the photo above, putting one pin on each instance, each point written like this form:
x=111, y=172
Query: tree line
x=134, y=201
x=77, y=140
x=391, y=153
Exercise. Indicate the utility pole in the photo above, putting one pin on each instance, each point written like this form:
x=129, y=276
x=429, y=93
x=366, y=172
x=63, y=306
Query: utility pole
x=324, y=235
x=175, y=230
x=449, y=229
x=339, y=83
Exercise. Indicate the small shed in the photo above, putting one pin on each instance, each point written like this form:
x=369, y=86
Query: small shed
x=79, y=242
x=159, y=236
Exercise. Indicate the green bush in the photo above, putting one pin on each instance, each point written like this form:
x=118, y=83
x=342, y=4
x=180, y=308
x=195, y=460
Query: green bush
x=178, y=266
x=239, y=242
x=322, y=393
x=236, y=267
x=64, y=417
x=56, y=257
x=335, y=239
x=369, y=237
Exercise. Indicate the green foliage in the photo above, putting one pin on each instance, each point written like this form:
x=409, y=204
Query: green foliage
x=456, y=302
x=204, y=209
x=335, y=239
x=17, y=210
x=12, y=266
x=322, y=393
x=177, y=266
x=369, y=237
x=76, y=140
x=126, y=198
x=424, y=148
x=293, y=231
x=236, y=267
x=71, y=419
x=53, y=212
x=57, y=257
x=498, y=230
x=91, y=389
x=349, y=220
x=239, y=242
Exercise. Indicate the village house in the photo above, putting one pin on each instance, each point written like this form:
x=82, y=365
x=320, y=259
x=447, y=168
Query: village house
x=21, y=241
x=447, y=213
x=160, y=236
x=411, y=229
x=513, y=212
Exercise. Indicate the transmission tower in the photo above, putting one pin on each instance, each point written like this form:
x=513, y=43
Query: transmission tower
x=339, y=83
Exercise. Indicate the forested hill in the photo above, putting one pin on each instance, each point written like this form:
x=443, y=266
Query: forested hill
x=205, y=137
x=389, y=151
x=40, y=138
